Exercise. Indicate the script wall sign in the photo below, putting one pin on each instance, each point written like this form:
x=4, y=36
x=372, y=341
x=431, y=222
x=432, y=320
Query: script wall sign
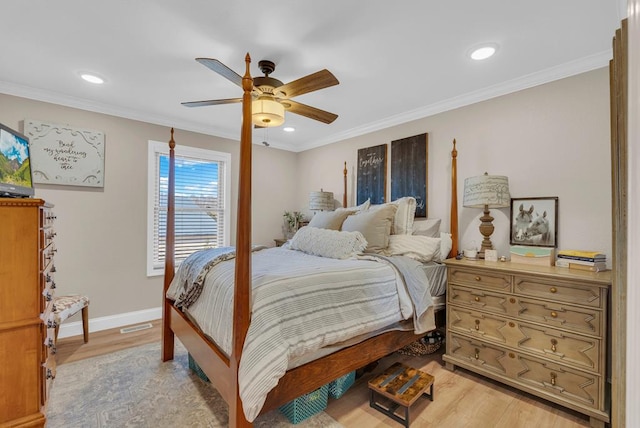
x=372, y=174
x=61, y=154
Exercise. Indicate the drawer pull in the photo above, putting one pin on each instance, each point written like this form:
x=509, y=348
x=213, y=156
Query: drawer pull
x=478, y=278
x=554, y=314
x=477, y=299
x=477, y=324
x=512, y=300
x=477, y=354
x=512, y=355
x=554, y=342
x=512, y=324
x=553, y=379
x=553, y=290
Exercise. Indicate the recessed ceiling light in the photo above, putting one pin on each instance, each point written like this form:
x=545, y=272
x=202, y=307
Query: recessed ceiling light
x=483, y=52
x=288, y=129
x=92, y=78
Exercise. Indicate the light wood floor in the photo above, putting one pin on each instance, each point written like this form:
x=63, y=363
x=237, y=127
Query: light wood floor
x=462, y=398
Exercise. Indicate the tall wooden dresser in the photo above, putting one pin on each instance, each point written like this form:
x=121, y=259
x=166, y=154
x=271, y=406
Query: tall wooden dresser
x=541, y=329
x=26, y=293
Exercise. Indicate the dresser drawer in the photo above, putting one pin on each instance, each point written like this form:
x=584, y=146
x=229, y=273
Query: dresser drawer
x=478, y=278
x=559, y=315
x=478, y=299
x=471, y=351
x=558, y=291
x=575, y=385
x=546, y=377
x=568, y=348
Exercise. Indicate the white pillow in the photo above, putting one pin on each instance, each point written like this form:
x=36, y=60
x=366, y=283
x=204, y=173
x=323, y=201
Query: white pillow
x=328, y=243
x=362, y=207
x=427, y=227
x=420, y=248
x=375, y=225
x=403, y=219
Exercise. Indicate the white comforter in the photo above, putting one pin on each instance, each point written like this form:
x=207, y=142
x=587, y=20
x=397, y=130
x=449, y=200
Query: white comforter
x=301, y=303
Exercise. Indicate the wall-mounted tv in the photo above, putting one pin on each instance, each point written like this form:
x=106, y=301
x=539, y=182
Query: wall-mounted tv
x=15, y=165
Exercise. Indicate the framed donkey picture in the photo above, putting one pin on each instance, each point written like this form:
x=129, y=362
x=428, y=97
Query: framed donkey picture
x=534, y=221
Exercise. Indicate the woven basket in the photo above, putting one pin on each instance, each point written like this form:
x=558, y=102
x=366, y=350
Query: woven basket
x=424, y=346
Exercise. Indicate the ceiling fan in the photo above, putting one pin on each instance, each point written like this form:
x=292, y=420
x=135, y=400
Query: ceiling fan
x=271, y=97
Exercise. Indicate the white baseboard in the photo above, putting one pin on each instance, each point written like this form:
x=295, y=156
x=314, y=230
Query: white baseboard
x=111, y=321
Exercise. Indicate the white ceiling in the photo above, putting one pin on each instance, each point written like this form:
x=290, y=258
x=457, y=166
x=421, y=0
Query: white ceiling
x=396, y=60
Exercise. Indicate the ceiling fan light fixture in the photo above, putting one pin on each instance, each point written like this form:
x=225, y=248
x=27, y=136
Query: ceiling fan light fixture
x=267, y=113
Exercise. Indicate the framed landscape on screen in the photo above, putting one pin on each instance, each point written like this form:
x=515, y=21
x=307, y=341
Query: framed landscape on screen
x=534, y=221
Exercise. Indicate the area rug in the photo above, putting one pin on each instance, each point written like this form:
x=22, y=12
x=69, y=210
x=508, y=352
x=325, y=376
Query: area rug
x=133, y=388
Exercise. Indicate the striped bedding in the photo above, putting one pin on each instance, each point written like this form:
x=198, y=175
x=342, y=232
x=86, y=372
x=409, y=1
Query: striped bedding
x=301, y=303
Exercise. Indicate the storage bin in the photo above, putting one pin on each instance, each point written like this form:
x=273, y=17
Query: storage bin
x=338, y=387
x=307, y=405
x=196, y=369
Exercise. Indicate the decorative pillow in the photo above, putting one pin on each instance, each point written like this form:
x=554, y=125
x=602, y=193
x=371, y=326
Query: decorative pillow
x=420, y=248
x=375, y=225
x=403, y=221
x=428, y=227
x=328, y=243
x=362, y=207
x=329, y=219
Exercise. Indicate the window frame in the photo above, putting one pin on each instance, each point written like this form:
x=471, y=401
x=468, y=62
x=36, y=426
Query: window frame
x=162, y=148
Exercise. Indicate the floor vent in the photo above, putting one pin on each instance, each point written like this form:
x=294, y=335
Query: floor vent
x=135, y=328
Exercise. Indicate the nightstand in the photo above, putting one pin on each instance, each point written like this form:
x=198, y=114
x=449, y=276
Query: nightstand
x=279, y=241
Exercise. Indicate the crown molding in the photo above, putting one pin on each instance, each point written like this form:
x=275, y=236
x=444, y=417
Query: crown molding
x=572, y=68
x=562, y=71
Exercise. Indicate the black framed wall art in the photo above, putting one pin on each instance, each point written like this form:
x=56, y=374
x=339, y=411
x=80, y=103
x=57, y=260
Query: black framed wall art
x=409, y=160
x=372, y=174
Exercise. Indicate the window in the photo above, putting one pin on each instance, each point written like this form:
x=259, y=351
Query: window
x=202, y=202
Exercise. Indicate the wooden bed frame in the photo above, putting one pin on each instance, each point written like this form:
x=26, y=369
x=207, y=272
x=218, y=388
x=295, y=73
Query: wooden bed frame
x=223, y=370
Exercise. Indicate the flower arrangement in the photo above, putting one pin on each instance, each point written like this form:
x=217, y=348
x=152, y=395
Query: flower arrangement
x=291, y=221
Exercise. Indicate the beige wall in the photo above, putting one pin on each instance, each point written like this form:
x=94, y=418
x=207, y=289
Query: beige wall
x=101, y=233
x=550, y=140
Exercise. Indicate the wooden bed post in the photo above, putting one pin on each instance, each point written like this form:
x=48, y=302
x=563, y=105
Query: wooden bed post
x=454, y=202
x=169, y=258
x=344, y=195
x=242, y=294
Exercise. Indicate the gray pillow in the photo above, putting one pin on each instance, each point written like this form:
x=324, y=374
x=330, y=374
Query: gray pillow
x=375, y=225
x=328, y=219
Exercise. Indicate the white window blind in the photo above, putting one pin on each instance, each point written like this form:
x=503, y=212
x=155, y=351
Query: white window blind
x=201, y=202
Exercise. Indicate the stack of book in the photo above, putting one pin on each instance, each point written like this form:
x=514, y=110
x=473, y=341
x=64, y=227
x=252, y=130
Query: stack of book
x=593, y=261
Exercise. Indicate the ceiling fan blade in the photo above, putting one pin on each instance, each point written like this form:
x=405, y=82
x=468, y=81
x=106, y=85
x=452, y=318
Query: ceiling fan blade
x=318, y=80
x=221, y=69
x=308, y=111
x=212, y=102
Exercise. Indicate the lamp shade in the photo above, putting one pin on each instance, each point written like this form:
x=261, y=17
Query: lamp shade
x=491, y=190
x=321, y=201
x=267, y=113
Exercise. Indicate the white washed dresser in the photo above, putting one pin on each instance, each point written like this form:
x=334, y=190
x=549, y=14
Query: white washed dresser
x=540, y=329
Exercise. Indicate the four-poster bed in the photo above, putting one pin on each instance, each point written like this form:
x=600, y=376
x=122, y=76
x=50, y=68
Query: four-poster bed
x=223, y=368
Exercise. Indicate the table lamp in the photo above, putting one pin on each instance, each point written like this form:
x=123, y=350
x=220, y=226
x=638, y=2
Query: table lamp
x=486, y=191
x=321, y=201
